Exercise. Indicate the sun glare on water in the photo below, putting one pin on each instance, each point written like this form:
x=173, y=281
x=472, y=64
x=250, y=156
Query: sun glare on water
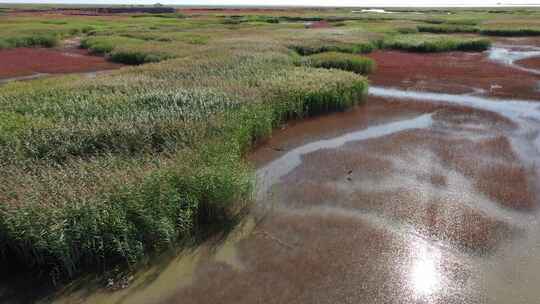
x=425, y=278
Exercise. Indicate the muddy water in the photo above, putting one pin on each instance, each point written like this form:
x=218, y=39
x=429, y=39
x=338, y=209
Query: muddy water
x=420, y=196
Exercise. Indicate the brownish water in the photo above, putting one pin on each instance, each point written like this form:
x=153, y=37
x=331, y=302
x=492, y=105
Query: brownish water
x=415, y=197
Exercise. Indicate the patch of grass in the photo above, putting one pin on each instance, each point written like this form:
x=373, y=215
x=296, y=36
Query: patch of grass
x=303, y=92
x=164, y=119
x=510, y=32
x=4, y=44
x=57, y=22
x=338, y=23
x=29, y=41
x=353, y=48
x=407, y=30
x=125, y=49
x=233, y=21
x=196, y=39
x=252, y=19
x=447, y=28
x=435, y=43
x=164, y=15
x=138, y=57
x=469, y=22
x=122, y=224
x=101, y=45
x=432, y=21
x=300, y=18
x=346, y=62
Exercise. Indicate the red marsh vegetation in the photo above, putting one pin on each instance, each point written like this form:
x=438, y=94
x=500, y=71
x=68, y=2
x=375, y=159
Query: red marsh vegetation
x=453, y=72
x=29, y=61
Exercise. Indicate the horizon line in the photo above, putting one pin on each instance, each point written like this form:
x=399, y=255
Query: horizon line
x=119, y=2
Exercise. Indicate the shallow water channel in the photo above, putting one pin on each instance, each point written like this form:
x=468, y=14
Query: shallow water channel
x=418, y=196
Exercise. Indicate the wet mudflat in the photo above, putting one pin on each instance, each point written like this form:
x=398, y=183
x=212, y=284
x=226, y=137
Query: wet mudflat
x=426, y=194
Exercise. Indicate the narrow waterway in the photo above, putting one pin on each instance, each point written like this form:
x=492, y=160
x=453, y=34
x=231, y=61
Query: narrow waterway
x=428, y=193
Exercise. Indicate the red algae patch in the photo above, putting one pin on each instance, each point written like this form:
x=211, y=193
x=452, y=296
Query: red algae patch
x=466, y=227
x=494, y=169
x=450, y=181
x=438, y=218
x=452, y=72
x=29, y=61
x=508, y=185
x=423, y=194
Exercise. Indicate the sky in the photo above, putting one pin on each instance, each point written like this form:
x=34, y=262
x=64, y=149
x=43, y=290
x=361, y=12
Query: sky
x=359, y=3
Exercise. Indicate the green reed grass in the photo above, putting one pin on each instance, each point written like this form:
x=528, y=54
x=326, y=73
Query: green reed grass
x=105, y=171
x=353, y=48
x=343, y=61
x=511, y=32
x=435, y=43
x=447, y=28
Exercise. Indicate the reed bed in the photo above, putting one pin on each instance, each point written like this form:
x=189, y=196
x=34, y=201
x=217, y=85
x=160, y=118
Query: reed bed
x=511, y=31
x=102, y=172
x=435, y=43
x=342, y=61
x=447, y=29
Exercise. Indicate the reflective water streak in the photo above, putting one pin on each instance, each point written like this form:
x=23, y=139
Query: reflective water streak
x=526, y=113
x=508, y=55
x=514, y=109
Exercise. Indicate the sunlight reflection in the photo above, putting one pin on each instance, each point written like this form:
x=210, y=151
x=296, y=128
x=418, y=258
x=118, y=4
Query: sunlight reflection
x=425, y=277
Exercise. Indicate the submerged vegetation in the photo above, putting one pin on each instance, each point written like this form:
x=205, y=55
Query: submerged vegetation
x=102, y=171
